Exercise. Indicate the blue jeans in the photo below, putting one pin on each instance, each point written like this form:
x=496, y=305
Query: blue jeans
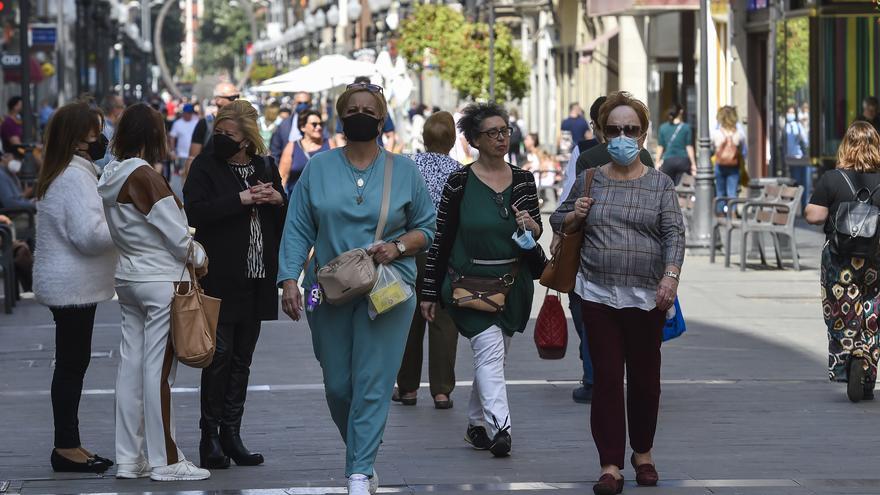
x=574, y=304
x=726, y=184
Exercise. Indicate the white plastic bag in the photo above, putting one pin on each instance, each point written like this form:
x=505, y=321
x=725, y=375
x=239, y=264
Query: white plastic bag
x=389, y=292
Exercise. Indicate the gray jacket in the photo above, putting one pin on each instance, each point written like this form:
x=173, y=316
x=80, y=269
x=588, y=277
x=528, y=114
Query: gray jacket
x=633, y=231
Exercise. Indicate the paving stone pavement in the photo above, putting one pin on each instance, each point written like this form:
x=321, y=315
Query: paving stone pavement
x=746, y=408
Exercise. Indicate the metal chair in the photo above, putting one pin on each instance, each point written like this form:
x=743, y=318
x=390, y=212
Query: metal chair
x=773, y=217
x=25, y=233
x=732, y=220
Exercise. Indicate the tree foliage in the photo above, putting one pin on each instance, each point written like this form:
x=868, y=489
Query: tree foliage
x=222, y=37
x=792, y=61
x=438, y=36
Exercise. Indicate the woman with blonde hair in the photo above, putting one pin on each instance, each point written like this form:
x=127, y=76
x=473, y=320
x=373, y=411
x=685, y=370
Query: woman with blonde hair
x=235, y=201
x=337, y=205
x=850, y=286
x=728, y=140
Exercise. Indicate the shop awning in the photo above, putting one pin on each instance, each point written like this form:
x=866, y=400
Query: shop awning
x=586, y=51
x=597, y=8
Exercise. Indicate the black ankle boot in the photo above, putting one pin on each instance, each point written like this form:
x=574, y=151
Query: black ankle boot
x=230, y=440
x=211, y=452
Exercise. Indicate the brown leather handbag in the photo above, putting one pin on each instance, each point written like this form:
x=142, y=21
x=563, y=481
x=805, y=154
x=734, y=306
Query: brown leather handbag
x=194, y=319
x=560, y=274
x=487, y=294
x=353, y=274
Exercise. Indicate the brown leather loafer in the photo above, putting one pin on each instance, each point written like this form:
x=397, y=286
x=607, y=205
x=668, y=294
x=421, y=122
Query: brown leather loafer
x=608, y=485
x=646, y=474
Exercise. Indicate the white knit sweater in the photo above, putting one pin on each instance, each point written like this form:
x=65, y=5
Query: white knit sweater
x=75, y=258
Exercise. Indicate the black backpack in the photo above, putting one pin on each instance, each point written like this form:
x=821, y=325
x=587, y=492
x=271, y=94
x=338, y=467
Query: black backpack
x=855, y=224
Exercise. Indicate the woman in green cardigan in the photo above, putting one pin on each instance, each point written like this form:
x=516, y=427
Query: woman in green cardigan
x=499, y=199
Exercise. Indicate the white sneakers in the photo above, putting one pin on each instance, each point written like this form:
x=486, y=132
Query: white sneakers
x=359, y=484
x=182, y=471
x=133, y=471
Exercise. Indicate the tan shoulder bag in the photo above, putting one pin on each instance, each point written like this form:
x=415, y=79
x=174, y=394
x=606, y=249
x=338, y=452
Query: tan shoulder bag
x=561, y=272
x=194, y=317
x=353, y=274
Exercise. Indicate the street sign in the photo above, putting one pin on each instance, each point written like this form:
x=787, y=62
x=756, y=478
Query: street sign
x=10, y=60
x=43, y=34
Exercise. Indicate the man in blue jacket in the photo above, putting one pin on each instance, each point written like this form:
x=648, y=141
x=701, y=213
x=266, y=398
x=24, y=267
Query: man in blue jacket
x=287, y=131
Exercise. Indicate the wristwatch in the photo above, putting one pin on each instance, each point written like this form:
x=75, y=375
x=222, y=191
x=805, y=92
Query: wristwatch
x=401, y=247
x=671, y=274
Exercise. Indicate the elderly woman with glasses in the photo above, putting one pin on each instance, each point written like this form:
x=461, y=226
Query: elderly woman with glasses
x=486, y=209
x=336, y=207
x=298, y=153
x=631, y=259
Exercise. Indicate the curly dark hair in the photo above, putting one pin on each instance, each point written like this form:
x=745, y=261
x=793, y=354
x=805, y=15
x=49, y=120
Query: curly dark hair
x=473, y=115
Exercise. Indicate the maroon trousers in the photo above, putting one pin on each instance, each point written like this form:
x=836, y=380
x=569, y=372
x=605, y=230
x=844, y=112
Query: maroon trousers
x=624, y=337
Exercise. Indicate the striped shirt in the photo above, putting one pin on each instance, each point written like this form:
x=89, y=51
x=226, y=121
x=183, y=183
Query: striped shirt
x=255, y=266
x=524, y=196
x=633, y=231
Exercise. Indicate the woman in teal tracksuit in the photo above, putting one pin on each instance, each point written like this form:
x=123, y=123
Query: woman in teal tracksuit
x=335, y=207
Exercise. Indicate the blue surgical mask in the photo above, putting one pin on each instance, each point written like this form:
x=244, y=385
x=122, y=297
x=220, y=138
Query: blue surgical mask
x=302, y=107
x=524, y=239
x=623, y=150
x=790, y=117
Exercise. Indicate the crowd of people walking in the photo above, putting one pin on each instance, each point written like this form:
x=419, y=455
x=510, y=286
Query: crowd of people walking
x=275, y=202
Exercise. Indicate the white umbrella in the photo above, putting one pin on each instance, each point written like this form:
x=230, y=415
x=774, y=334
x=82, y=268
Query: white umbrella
x=323, y=74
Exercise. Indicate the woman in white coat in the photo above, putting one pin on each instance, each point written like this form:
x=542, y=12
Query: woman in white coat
x=150, y=230
x=73, y=267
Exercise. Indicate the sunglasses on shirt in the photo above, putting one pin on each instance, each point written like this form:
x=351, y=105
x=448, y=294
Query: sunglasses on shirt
x=229, y=98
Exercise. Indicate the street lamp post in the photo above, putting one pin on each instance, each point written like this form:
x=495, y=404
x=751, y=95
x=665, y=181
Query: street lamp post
x=491, y=50
x=701, y=233
x=333, y=21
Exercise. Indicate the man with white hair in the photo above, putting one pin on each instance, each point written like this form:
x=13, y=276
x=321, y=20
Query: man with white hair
x=224, y=94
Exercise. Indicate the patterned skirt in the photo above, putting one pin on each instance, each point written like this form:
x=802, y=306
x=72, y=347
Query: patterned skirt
x=850, y=297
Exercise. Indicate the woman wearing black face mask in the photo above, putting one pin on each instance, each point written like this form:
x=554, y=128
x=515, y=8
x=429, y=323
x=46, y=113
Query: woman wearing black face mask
x=235, y=201
x=74, y=267
x=336, y=207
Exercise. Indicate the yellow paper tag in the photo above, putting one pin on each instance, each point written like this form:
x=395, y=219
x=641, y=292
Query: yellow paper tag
x=388, y=297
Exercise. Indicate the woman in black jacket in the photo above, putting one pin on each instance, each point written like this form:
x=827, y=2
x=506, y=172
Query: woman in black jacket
x=234, y=199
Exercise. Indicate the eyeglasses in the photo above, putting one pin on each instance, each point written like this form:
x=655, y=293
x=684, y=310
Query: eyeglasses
x=504, y=132
x=633, y=131
x=502, y=208
x=372, y=88
x=230, y=97
x=315, y=125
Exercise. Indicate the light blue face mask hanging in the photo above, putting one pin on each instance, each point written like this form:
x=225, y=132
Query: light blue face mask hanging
x=623, y=150
x=523, y=238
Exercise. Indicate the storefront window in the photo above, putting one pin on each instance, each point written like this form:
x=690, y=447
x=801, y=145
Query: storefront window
x=757, y=4
x=793, y=89
x=850, y=71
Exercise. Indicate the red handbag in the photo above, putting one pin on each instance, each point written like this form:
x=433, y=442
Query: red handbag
x=551, y=329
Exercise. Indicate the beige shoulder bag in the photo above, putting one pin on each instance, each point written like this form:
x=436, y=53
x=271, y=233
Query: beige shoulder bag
x=353, y=274
x=194, y=319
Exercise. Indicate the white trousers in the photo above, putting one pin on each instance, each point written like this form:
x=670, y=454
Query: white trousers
x=488, y=403
x=147, y=367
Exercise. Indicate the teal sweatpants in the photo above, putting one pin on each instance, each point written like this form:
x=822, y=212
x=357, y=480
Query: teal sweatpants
x=360, y=359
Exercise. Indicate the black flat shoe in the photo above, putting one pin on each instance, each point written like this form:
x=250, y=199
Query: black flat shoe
x=230, y=441
x=855, y=381
x=61, y=464
x=443, y=404
x=211, y=452
x=102, y=459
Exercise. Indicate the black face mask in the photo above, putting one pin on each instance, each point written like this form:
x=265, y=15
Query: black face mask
x=360, y=127
x=225, y=147
x=98, y=149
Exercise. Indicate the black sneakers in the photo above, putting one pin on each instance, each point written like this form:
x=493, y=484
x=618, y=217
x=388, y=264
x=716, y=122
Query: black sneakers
x=502, y=442
x=478, y=438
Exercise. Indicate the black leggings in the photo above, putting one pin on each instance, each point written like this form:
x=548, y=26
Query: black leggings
x=73, y=350
x=675, y=167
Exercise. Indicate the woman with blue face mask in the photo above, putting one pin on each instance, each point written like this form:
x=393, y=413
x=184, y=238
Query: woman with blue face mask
x=631, y=259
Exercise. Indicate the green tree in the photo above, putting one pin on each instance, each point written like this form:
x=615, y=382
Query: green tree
x=172, y=34
x=792, y=61
x=460, y=51
x=222, y=37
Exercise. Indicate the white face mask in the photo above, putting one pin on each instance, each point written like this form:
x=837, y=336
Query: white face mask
x=14, y=166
